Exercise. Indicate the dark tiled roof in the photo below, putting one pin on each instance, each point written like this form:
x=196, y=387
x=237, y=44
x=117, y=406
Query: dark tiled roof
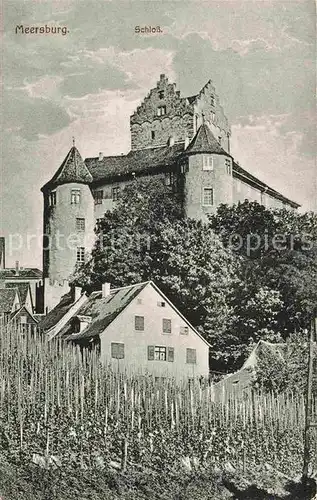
x=103, y=310
x=53, y=317
x=25, y=273
x=22, y=287
x=245, y=176
x=141, y=160
x=205, y=142
x=73, y=169
x=7, y=296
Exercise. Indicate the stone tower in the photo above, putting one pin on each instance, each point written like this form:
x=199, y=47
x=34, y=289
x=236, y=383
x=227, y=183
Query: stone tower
x=209, y=179
x=68, y=225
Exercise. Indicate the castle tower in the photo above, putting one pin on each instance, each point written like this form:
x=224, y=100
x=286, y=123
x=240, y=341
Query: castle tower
x=209, y=176
x=68, y=230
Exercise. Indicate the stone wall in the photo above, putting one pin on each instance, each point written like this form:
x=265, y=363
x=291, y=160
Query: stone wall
x=148, y=129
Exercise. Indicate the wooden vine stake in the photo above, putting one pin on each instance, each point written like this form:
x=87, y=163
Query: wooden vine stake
x=308, y=409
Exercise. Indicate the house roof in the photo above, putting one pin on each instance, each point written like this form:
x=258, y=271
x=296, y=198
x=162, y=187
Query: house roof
x=22, y=287
x=73, y=169
x=7, y=298
x=136, y=161
x=103, y=310
x=57, y=313
x=204, y=142
x=23, y=310
x=245, y=176
x=25, y=273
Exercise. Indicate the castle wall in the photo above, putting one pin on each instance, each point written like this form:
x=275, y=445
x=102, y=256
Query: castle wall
x=208, y=104
x=197, y=179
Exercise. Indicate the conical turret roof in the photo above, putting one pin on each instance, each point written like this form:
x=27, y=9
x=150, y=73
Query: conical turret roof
x=205, y=142
x=73, y=169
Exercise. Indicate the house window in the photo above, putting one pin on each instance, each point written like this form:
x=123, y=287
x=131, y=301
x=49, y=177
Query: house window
x=161, y=94
x=183, y=330
x=53, y=199
x=160, y=353
x=169, y=179
x=22, y=319
x=152, y=134
x=208, y=162
x=167, y=325
x=161, y=111
x=139, y=301
x=228, y=166
x=115, y=193
x=117, y=350
x=80, y=224
x=80, y=256
x=75, y=196
x=139, y=323
x=161, y=304
x=208, y=196
x=98, y=196
x=191, y=356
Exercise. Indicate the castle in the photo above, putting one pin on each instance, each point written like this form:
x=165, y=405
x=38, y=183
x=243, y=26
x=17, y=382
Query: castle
x=183, y=140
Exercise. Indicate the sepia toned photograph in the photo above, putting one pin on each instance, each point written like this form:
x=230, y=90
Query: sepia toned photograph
x=158, y=250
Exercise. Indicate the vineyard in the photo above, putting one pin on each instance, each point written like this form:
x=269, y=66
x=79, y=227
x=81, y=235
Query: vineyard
x=61, y=408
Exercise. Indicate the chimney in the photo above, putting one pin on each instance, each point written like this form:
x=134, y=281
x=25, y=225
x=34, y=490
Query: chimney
x=17, y=268
x=171, y=141
x=105, y=290
x=77, y=293
x=100, y=156
x=2, y=252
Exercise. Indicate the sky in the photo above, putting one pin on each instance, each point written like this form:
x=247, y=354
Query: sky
x=259, y=54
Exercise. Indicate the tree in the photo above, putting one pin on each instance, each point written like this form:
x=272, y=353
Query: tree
x=147, y=238
x=277, y=250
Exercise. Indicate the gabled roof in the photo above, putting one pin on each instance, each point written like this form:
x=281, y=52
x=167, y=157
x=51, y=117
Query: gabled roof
x=136, y=161
x=7, y=298
x=23, y=310
x=23, y=288
x=205, y=142
x=103, y=310
x=57, y=313
x=24, y=273
x=73, y=169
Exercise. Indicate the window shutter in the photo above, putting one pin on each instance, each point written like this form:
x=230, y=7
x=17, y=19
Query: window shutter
x=150, y=352
x=170, y=354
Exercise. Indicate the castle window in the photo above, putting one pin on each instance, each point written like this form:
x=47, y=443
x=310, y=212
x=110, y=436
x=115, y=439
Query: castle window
x=161, y=304
x=208, y=196
x=115, y=193
x=208, y=162
x=161, y=111
x=152, y=134
x=167, y=325
x=80, y=224
x=161, y=94
x=98, y=195
x=53, y=199
x=80, y=256
x=191, y=356
x=117, y=350
x=75, y=196
x=228, y=166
